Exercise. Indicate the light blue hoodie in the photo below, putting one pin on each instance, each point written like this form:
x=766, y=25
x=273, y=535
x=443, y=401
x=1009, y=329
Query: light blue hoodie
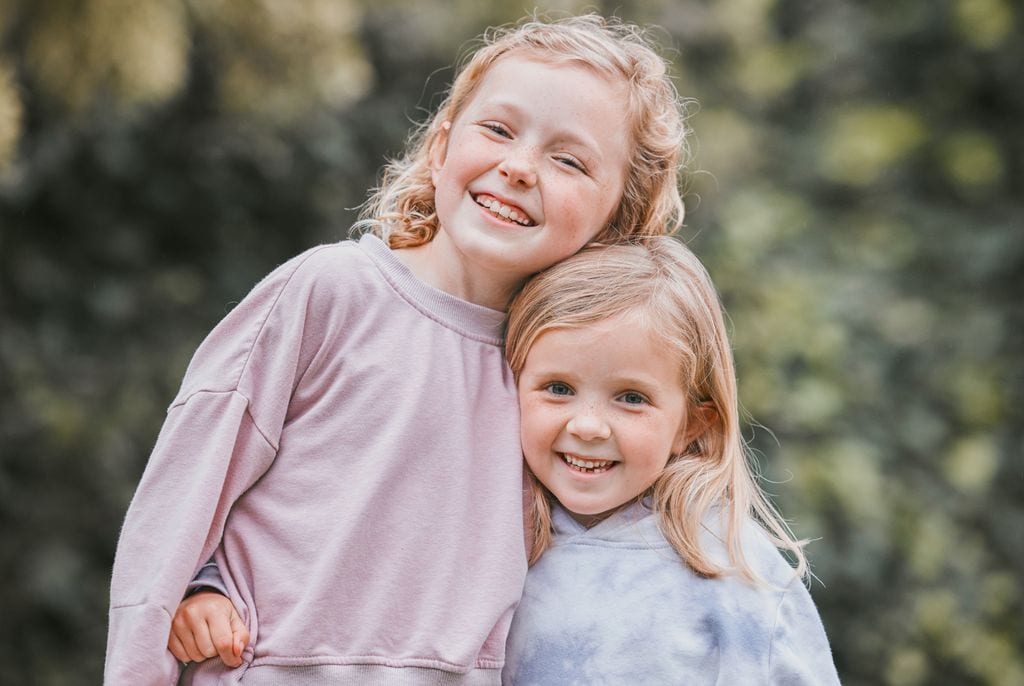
x=614, y=604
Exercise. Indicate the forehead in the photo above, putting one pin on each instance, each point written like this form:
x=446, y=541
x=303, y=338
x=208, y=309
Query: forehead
x=529, y=61
x=569, y=85
x=606, y=337
x=607, y=352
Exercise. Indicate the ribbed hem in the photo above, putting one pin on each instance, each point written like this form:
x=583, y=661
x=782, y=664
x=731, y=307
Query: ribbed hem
x=365, y=675
x=469, y=319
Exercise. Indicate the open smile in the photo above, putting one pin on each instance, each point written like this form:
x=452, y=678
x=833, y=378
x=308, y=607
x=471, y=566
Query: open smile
x=583, y=466
x=501, y=210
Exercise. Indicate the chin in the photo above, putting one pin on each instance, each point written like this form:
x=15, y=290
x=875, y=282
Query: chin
x=588, y=509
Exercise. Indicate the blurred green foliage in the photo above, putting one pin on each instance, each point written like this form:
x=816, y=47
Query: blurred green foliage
x=855, y=189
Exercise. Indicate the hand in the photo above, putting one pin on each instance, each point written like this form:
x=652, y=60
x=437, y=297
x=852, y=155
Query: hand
x=206, y=625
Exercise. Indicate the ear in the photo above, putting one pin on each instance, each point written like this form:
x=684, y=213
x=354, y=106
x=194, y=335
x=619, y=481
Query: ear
x=438, y=151
x=700, y=418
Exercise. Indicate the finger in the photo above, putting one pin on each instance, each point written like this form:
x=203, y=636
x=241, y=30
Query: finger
x=196, y=617
x=177, y=650
x=204, y=641
x=240, y=634
x=186, y=635
x=194, y=654
x=221, y=635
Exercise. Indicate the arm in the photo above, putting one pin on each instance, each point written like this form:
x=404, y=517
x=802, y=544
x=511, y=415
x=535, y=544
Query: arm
x=207, y=578
x=208, y=453
x=800, y=653
x=219, y=437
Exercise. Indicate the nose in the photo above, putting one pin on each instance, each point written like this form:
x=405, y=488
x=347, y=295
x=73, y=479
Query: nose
x=588, y=425
x=519, y=167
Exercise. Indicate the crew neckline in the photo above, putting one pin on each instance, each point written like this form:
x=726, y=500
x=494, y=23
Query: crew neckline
x=469, y=319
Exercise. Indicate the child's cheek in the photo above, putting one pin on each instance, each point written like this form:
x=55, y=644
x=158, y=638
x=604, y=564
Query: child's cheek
x=533, y=432
x=580, y=226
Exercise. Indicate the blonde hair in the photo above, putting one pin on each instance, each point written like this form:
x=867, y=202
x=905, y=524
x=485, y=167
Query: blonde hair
x=663, y=286
x=401, y=209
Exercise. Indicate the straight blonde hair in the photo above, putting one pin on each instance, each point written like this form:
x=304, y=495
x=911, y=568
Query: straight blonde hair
x=663, y=287
x=401, y=209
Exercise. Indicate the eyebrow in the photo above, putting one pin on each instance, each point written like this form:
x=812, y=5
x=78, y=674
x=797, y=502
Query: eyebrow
x=545, y=373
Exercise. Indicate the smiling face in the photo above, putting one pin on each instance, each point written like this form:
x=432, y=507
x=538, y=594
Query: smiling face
x=602, y=410
x=529, y=172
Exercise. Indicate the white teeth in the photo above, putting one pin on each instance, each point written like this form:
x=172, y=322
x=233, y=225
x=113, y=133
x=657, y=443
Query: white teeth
x=587, y=464
x=503, y=211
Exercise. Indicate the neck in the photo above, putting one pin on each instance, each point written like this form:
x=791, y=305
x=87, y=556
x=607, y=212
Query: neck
x=434, y=268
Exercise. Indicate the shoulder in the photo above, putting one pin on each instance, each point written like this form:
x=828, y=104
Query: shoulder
x=766, y=560
x=800, y=650
x=320, y=281
x=341, y=262
x=273, y=316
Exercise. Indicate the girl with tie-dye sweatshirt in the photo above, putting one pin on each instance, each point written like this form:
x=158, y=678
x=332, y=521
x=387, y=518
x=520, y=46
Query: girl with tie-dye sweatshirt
x=656, y=555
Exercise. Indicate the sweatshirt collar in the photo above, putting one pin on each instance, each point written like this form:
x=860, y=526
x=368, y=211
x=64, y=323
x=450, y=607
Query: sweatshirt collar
x=469, y=319
x=624, y=525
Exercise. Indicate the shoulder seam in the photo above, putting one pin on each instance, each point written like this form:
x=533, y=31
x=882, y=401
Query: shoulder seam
x=783, y=594
x=270, y=310
x=248, y=411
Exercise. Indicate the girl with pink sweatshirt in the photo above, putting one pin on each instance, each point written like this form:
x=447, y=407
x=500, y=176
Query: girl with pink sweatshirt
x=345, y=443
x=655, y=556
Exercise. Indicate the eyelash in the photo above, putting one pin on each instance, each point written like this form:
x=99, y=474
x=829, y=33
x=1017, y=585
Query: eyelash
x=550, y=388
x=500, y=130
x=574, y=163
x=560, y=389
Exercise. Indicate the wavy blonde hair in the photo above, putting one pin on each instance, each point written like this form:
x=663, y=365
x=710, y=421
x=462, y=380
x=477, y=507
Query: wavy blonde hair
x=664, y=288
x=401, y=209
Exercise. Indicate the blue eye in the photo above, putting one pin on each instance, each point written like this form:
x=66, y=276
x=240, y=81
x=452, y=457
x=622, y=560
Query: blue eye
x=558, y=388
x=633, y=398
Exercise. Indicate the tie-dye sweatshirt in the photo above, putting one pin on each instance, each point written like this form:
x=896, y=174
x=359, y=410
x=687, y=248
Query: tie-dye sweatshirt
x=614, y=604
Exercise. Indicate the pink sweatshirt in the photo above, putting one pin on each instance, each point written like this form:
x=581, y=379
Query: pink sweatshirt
x=345, y=444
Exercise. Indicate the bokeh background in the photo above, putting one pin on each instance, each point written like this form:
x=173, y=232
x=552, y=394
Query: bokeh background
x=855, y=188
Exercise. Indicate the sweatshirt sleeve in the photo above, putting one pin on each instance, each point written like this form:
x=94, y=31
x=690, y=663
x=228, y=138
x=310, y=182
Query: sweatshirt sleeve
x=219, y=437
x=208, y=577
x=800, y=653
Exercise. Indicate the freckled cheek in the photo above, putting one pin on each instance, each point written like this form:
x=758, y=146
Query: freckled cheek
x=577, y=218
x=647, y=450
x=539, y=429
x=609, y=197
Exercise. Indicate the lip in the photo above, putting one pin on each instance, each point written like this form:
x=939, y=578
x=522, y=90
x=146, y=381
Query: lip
x=477, y=196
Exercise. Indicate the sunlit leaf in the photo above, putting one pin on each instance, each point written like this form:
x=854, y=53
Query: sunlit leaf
x=11, y=112
x=972, y=159
x=861, y=142
x=985, y=23
x=907, y=667
x=768, y=71
x=972, y=463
